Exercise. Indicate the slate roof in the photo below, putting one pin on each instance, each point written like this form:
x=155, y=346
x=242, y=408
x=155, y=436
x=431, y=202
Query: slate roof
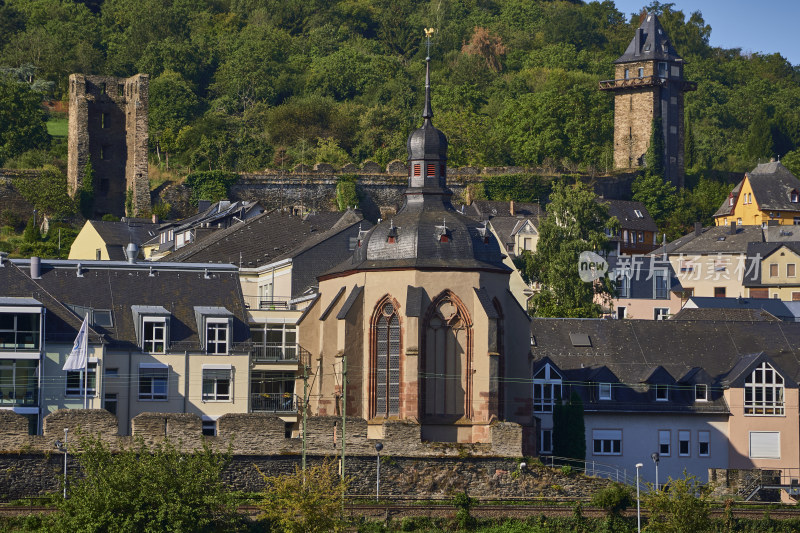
x=739, y=315
x=716, y=239
x=633, y=348
x=772, y=183
x=489, y=209
x=757, y=252
x=119, y=286
x=726, y=208
x=772, y=306
x=117, y=235
x=625, y=211
x=650, y=43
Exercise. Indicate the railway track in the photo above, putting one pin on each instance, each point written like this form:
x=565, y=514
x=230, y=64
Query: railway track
x=402, y=510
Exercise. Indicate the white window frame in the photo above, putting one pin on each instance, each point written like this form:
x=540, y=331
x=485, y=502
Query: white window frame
x=660, y=313
x=663, y=275
x=623, y=285
x=606, y=442
x=664, y=442
x=215, y=326
x=701, y=392
x=604, y=391
x=703, y=437
x=73, y=391
x=215, y=378
x=546, y=387
x=546, y=441
x=755, y=388
x=150, y=372
x=149, y=344
x=684, y=437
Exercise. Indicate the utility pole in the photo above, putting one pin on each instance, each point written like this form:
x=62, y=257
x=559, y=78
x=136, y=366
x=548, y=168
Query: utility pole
x=305, y=416
x=344, y=409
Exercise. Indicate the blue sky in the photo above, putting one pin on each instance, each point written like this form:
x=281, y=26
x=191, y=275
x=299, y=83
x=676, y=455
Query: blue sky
x=766, y=26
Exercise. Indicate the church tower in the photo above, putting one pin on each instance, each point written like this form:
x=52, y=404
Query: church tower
x=649, y=85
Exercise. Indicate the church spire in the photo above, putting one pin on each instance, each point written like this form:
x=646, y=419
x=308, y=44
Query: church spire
x=427, y=112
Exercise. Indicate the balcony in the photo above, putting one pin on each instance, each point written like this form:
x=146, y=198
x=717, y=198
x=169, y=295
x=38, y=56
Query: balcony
x=274, y=351
x=273, y=402
x=645, y=81
x=23, y=397
x=269, y=303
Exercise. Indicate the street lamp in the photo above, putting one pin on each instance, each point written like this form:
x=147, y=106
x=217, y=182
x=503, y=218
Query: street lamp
x=638, y=508
x=655, y=457
x=63, y=447
x=378, y=448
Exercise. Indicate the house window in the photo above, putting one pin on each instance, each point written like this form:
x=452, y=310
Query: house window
x=773, y=270
x=662, y=393
x=217, y=336
x=153, y=382
x=795, y=296
x=738, y=221
x=623, y=286
x=791, y=270
x=638, y=213
x=546, y=389
x=217, y=385
x=607, y=441
x=730, y=201
x=660, y=313
x=605, y=391
x=386, y=360
x=641, y=72
x=110, y=403
x=19, y=382
x=794, y=197
x=660, y=285
x=154, y=335
x=662, y=69
x=701, y=393
x=627, y=73
x=664, y=442
x=19, y=331
x=75, y=381
x=763, y=392
x=209, y=428
x=765, y=445
x=703, y=443
x=684, y=438
x=719, y=292
x=277, y=343
x=546, y=441
x=272, y=391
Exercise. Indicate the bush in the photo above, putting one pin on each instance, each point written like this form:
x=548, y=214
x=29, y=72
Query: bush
x=31, y=233
x=209, y=185
x=613, y=499
x=464, y=504
x=346, y=193
x=684, y=507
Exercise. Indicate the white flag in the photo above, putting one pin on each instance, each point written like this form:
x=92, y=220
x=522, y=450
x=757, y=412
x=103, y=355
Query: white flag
x=78, y=357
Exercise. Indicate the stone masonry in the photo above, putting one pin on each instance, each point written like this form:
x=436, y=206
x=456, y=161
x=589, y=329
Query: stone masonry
x=108, y=126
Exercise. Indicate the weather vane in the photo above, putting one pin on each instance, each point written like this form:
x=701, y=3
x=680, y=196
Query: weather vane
x=428, y=34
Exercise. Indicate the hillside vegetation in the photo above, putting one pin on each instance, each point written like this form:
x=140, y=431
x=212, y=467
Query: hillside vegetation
x=249, y=84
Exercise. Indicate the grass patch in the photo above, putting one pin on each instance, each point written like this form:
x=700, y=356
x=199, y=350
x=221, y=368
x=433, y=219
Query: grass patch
x=58, y=127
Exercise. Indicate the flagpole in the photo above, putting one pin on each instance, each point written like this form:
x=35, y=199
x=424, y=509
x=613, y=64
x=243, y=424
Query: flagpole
x=85, y=349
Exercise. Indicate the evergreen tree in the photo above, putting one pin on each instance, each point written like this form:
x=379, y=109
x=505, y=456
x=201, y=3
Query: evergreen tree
x=575, y=223
x=86, y=193
x=689, y=148
x=569, y=431
x=31, y=233
x=654, y=158
x=759, y=138
x=658, y=196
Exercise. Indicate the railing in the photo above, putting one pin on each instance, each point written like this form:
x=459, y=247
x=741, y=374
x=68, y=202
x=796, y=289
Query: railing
x=273, y=402
x=18, y=399
x=195, y=347
x=595, y=469
x=644, y=81
x=274, y=351
x=269, y=303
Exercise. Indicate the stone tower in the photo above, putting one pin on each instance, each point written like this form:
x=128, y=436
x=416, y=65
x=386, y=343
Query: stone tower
x=108, y=126
x=649, y=84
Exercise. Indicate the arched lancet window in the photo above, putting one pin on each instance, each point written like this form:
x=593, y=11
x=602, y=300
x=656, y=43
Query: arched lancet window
x=386, y=360
x=447, y=364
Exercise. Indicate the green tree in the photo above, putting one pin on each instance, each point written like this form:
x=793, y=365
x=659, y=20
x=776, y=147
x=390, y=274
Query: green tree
x=305, y=502
x=172, y=105
x=31, y=233
x=684, y=507
x=759, y=139
x=211, y=185
x=569, y=432
x=654, y=157
x=614, y=499
x=47, y=192
x=575, y=223
x=22, y=119
x=658, y=196
x=147, y=489
x=86, y=192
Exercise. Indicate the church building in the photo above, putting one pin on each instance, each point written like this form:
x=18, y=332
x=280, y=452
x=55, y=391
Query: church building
x=420, y=321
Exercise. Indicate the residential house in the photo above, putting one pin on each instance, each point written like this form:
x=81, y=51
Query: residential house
x=638, y=233
x=701, y=394
x=105, y=240
x=773, y=268
x=163, y=337
x=768, y=193
x=280, y=256
x=210, y=218
x=516, y=224
x=646, y=288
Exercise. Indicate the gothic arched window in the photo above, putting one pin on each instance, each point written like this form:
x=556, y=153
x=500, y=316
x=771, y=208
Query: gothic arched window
x=386, y=360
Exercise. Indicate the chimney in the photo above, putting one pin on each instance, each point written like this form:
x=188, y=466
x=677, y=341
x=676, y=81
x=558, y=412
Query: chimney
x=511, y=207
x=698, y=229
x=155, y=219
x=733, y=228
x=36, y=268
x=637, y=44
x=131, y=252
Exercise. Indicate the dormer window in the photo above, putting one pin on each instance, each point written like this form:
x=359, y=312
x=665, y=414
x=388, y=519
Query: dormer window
x=604, y=392
x=391, y=237
x=638, y=213
x=214, y=325
x=794, y=196
x=662, y=393
x=154, y=334
x=730, y=201
x=442, y=234
x=546, y=389
x=763, y=392
x=701, y=393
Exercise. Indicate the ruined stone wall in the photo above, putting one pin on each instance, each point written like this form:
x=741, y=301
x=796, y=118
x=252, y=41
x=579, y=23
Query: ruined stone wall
x=108, y=126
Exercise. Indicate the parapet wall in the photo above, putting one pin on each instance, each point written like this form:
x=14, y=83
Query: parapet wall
x=248, y=434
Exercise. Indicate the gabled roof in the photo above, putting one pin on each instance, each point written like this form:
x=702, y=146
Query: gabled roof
x=626, y=213
x=489, y=209
x=657, y=375
x=738, y=315
x=726, y=208
x=772, y=306
x=123, y=232
x=772, y=184
x=650, y=43
x=716, y=239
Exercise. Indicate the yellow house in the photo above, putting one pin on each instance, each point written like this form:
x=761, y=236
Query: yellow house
x=100, y=240
x=768, y=193
x=775, y=270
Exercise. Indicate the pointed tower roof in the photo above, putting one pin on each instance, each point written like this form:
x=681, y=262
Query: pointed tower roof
x=427, y=142
x=650, y=43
